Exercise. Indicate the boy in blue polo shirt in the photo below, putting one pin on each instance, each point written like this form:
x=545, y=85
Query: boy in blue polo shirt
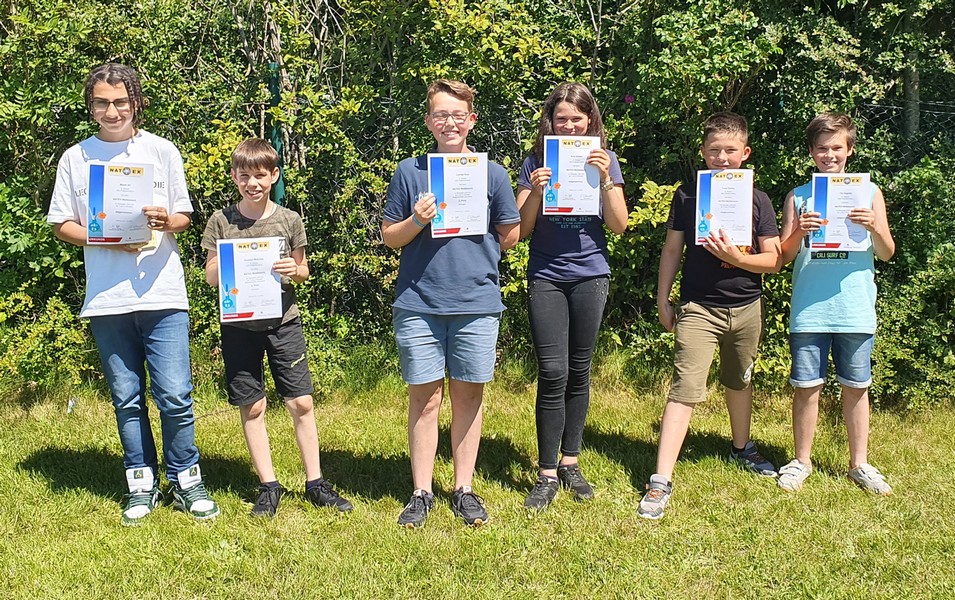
x=448, y=306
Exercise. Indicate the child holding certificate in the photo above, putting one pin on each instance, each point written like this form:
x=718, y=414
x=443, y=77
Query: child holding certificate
x=720, y=307
x=448, y=299
x=833, y=307
x=244, y=343
x=135, y=291
x=568, y=276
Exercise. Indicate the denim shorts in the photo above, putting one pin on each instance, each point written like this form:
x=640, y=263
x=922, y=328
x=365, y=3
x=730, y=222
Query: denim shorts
x=465, y=345
x=851, y=353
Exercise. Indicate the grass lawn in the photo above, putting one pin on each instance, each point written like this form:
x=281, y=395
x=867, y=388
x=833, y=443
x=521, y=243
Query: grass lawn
x=727, y=534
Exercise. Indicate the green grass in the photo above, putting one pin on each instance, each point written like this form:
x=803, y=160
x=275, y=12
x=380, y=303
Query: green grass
x=727, y=534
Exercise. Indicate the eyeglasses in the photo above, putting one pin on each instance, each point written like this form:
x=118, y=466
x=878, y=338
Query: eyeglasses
x=102, y=105
x=442, y=117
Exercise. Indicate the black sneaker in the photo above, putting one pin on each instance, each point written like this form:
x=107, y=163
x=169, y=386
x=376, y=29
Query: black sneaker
x=416, y=511
x=542, y=494
x=469, y=507
x=267, y=501
x=571, y=478
x=323, y=494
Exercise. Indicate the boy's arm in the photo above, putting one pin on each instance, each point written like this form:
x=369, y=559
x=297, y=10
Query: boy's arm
x=768, y=260
x=529, y=205
x=399, y=234
x=212, y=268
x=670, y=259
x=791, y=234
x=294, y=267
x=508, y=235
x=875, y=220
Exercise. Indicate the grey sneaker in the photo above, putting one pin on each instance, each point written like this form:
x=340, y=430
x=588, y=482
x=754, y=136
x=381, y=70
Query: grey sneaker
x=189, y=495
x=750, y=458
x=542, y=494
x=792, y=475
x=469, y=507
x=870, y=479
x=571, y=478
x=655, y=501
x=143, y=496
x=267, y=501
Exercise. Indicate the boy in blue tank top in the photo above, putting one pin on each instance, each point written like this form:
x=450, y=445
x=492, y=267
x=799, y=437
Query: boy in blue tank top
x=833, y=307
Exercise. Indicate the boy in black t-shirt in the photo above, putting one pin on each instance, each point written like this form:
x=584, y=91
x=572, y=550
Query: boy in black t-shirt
x=719, y=307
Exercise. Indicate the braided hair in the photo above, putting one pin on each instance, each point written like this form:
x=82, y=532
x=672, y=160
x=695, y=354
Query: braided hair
x=114, y=74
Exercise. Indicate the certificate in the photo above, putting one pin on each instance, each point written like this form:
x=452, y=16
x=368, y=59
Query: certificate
x=574, y=186
x=724, y=200
x=248, y=287
x=833, y=196
x=117, y=194
x=459, y=185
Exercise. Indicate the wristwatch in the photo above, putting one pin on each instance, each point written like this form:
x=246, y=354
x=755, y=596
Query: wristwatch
x=606, y=185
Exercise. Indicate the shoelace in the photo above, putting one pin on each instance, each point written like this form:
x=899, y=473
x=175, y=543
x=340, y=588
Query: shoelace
x=655, y=494
x=417, y=504
x=268, y=498
x=470, y=499
x=195, y=493
x=327, y=488
x=138, y=499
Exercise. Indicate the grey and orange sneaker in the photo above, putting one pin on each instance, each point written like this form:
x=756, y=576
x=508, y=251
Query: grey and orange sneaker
x=655, y=500
x=750, y=458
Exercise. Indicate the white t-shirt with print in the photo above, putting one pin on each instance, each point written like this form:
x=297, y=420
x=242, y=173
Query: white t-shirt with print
x=120, y=282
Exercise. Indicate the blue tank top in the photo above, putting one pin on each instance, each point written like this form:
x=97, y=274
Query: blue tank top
x=833, y=291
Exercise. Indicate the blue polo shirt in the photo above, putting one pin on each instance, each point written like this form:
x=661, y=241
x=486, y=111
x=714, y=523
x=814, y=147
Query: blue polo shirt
x=449, y=276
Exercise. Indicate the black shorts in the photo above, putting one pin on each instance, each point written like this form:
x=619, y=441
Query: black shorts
x=243, y=350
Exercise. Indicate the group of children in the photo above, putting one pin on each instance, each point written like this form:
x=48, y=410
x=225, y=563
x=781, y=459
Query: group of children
x=448, y=306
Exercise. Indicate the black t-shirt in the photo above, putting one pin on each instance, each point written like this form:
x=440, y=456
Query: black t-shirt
x=706, y=279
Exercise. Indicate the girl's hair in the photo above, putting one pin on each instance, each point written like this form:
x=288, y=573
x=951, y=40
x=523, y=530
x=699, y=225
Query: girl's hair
x=114, y=74
x=829, y=123
x=580, y=97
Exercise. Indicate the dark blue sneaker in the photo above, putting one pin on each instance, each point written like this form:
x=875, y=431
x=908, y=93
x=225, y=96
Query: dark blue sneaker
x=416, y=511
x=469, y=507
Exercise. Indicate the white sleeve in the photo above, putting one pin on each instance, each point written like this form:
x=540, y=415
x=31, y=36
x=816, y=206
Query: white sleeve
x=62, y=207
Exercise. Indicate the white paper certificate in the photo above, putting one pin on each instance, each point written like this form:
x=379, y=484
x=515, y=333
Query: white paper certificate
x=117, y=194
x=833, y=196
x=574, y=187
x=724, y=200
x=248, y=287
x=459, y=185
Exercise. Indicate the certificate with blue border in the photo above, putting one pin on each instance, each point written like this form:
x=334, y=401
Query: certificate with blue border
x=574, y=186
x=833, y=196
x=459, y=185
x=724, y=201
x=248, y=287
x=118, y=192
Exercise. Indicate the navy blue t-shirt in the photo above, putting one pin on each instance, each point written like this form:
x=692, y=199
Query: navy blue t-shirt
x=567, y=248
x=706, y=279
x=449, y=276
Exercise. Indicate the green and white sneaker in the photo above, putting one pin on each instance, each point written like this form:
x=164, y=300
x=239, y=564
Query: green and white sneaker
x=143, y=496
x=189, y=495
x=792, y=475
x=870, y=479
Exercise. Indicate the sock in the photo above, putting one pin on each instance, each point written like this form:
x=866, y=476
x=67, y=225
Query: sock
x=313, y=483
x=549, y=477
x=271, y=484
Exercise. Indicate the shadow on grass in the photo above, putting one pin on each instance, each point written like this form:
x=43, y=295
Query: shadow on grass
x=100, y=471
x=639, y=457
x=379, y=476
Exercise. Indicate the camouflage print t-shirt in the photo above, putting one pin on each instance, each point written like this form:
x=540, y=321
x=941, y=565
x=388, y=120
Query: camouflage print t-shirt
x=230, y=224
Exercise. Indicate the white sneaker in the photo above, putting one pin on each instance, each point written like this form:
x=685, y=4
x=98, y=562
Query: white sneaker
x=792, y=475
x=870, y=479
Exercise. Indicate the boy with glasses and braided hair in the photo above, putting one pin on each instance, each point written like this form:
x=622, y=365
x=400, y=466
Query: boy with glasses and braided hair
x=136, y=294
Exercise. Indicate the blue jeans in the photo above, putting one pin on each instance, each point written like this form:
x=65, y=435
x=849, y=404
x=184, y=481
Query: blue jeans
x=156, y=340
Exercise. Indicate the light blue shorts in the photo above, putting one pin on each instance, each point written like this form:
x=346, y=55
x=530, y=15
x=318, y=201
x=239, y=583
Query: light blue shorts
x=851, y=353
x=465, y=345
